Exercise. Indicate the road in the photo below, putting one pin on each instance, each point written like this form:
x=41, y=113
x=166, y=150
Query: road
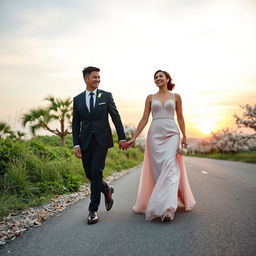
x=222, y=223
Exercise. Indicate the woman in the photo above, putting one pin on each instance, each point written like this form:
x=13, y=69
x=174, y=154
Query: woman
x=163, y=177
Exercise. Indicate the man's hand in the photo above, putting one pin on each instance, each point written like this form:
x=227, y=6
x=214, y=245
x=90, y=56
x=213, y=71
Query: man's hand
x=77, y=151
x=123, y=145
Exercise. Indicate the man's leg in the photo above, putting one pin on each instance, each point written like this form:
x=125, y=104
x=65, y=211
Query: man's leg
x=98, y=158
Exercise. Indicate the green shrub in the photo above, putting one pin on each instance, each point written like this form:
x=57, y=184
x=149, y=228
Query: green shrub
x=51, y=187
x=54, y=140
x=62, y=152
x=10, y=203
x=35, y=167
x=8, y=151
x=72, y=182
x=41, y=150
x=16, y=180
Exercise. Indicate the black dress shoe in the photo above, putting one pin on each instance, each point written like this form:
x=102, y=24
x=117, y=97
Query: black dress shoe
x=108, y=198
x=93, y=218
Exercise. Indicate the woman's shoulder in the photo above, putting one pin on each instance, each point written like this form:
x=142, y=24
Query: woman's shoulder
x=176, y=96
x=150, y=96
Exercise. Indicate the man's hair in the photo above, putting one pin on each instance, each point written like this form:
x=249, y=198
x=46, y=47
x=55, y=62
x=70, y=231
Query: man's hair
x=89, y=70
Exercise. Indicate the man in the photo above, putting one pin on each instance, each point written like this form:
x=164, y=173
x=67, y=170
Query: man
x=92, y=136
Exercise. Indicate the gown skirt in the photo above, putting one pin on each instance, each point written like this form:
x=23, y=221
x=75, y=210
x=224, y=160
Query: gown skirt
x=163, y=177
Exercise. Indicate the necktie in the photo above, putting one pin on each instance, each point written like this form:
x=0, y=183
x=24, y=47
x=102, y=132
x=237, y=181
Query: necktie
x=91, y=102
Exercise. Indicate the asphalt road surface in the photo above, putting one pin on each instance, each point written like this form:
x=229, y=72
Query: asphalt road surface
x=222, y=223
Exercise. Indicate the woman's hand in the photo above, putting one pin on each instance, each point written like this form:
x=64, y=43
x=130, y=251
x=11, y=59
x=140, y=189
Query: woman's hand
x=184, y=142
x=131, y=142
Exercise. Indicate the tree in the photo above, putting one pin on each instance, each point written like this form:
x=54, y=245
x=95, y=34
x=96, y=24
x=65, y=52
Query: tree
x=228, y=141
x=5, y=130
x=17, y=136
x=249, y=117
x=7, y=133
x=225, y=141
x=40, y=118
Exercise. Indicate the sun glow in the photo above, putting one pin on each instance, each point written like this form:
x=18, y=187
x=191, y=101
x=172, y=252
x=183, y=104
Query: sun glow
x=206, y=125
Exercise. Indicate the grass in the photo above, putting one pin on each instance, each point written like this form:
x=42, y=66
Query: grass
x=32, y=172
x=249, y=157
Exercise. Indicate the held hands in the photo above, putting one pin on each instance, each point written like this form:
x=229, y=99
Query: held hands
x=126, y=144
x=123, y=145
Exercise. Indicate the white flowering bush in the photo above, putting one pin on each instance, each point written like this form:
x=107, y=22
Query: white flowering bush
x=225, y=141
x=207, y=145
x=232, y=141
x=249, y=117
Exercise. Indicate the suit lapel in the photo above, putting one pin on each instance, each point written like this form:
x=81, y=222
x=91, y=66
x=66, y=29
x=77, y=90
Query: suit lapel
x=84, y=104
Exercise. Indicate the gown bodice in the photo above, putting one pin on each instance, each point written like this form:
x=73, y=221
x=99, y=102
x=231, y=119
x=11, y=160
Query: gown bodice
x=164, y=110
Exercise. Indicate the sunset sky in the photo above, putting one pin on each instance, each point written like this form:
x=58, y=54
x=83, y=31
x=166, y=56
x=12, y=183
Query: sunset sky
x=208, y=47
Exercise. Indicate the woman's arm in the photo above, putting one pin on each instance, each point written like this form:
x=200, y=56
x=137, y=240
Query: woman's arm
x=143, y=121
x=180, y=119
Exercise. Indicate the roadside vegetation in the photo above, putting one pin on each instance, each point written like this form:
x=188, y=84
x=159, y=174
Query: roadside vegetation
x=32, y=171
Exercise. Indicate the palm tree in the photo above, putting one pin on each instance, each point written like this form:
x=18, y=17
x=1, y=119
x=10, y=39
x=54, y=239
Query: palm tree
x=20, y=134
x=58, y=110
x=17, y=136
x=5, y=129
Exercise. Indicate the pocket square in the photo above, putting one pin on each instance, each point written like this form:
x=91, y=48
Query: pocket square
x=101, y=103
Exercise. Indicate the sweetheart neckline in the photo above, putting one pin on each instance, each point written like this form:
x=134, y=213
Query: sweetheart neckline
x=164, y=101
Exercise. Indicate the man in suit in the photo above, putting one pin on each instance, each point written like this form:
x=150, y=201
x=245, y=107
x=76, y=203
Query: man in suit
x=92, y=136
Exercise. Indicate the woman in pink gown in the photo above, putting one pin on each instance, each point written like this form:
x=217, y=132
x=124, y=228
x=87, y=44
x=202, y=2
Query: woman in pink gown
x=163, y=178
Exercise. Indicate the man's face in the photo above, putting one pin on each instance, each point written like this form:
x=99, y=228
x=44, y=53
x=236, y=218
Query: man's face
x=92, y=80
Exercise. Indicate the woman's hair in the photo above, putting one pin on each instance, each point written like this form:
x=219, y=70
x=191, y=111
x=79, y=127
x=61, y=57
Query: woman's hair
x=170, y=85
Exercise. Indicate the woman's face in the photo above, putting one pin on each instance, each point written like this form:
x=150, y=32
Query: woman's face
x=160, y=79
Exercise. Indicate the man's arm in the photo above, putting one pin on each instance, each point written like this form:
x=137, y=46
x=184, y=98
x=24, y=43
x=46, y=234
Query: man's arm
x=116, y=119
x=75, y=125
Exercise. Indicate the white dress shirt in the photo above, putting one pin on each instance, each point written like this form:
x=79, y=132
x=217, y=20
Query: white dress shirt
x=88, y=96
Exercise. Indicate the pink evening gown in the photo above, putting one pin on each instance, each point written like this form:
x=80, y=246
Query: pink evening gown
x=163, y=177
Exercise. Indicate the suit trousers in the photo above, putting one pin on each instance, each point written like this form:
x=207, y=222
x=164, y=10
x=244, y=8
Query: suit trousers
x=93, y=159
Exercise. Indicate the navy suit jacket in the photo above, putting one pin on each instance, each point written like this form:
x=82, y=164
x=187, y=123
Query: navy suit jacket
x=84, y=123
